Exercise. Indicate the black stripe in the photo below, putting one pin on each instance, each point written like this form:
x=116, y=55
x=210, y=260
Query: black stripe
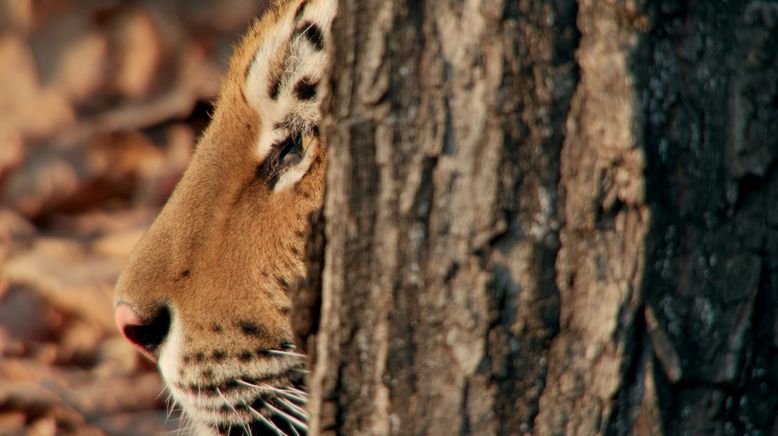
x=305, y=89
x=275, y=89
x=252, y=329
x=208, y=390
x=269, y=171
x=312, y=33
x=284, y=284
x=300, y=11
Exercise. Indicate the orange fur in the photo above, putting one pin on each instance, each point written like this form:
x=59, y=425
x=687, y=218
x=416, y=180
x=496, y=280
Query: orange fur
x=223, y=244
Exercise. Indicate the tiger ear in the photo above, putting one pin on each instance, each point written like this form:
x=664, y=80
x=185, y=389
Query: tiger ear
x=284, y=80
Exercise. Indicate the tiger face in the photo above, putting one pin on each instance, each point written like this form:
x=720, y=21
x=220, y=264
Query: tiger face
x=207, y=291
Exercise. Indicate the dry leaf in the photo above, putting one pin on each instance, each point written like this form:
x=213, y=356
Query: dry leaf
x=101, y=102
x=63, y=274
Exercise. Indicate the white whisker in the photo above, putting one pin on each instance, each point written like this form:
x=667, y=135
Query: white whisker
x=245, y=383
x=299, y=412
x=291, y=419
x=267, y=422
x=285, y=393
x=243, y=424
x=297, y=391
x=168, y=408
x=302, y=33
x=293, y=397
x=287, y=353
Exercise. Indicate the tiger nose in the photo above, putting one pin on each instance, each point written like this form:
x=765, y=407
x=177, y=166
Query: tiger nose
x=146, y=335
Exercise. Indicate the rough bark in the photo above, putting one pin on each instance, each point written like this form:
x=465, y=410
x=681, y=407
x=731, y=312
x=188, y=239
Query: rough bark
x=550, y=217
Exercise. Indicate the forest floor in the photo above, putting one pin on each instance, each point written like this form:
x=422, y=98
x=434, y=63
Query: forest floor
x=102, y=102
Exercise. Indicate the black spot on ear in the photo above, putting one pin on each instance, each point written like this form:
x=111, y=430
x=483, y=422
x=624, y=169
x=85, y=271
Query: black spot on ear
x=275, y=88
x=252, y=329
x=305, y=89
x=300, y=10
x=312, y=33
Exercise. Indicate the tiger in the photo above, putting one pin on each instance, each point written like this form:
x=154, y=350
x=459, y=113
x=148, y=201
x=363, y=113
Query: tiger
x=207, y=290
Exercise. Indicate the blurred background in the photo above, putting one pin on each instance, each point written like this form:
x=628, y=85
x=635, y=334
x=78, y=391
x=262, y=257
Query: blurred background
x=101, y=103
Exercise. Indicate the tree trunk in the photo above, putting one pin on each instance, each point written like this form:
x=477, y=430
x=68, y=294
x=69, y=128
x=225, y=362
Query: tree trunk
x=549, y=217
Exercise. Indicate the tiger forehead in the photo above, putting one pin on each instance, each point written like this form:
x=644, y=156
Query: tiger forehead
x=289, y=60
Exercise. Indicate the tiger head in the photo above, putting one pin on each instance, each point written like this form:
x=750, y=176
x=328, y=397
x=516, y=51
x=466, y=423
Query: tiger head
x=207, y=291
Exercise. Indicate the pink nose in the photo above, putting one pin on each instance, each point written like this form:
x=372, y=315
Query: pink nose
x=146, y=336
x=125, y=316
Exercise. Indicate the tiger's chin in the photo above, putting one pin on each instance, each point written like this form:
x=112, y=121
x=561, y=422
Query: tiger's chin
x=247, y=405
